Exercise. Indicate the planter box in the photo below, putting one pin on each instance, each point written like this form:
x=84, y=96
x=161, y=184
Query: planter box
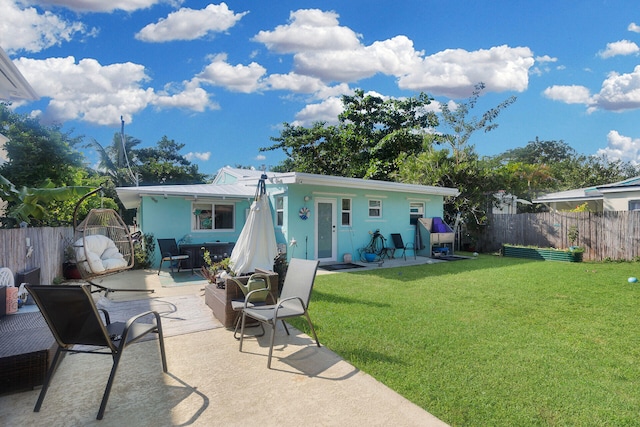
x=219, y=300
x=541, y=254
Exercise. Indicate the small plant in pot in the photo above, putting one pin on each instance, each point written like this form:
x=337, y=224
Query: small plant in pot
x=69, y=267
x=214, y=268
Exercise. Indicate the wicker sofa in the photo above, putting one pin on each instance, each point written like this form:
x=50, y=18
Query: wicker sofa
x=219, y=300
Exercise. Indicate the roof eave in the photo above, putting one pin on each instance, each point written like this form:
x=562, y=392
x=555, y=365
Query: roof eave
x=13, y=85
x=367, y=184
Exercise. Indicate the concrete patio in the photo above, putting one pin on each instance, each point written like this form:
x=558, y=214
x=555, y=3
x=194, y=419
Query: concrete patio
x=210, y=383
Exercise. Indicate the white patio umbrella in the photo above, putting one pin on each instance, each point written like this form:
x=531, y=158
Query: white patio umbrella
x=256, y=246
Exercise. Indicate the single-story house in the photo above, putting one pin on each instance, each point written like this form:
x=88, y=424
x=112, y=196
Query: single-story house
x=618, y=196
x=315, y=216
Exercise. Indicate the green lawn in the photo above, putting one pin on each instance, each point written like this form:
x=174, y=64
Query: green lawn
x=493, y=341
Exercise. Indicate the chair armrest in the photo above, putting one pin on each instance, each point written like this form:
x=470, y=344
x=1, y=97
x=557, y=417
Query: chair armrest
x=134, y=319
x=105, y=313
x=247, y=298
x=279, y=305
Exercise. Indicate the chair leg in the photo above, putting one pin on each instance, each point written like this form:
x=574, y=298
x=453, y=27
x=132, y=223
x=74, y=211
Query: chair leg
x=273, y=335
x=163, y=355
x=160, y=268
x=47, y=379
x=285, y=327
x=313, y=331
x=242, y=330
x=237, y=324
x=107, y=390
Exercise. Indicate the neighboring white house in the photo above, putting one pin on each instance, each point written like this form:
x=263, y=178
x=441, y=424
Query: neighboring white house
x=618, y=196
x=327, y=216
x=506, y=203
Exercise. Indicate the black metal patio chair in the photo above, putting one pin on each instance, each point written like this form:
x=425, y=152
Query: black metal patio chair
x=74, y=319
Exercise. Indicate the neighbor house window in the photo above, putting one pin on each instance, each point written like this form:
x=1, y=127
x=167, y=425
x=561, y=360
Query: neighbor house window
x=213, y=216
x=634, y=205
x=375, y=208
x=346, y=212
x=279, y=211
x=416, y=210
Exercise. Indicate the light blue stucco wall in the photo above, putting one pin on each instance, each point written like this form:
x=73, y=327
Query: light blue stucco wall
x=171, y=218
x=395, y=218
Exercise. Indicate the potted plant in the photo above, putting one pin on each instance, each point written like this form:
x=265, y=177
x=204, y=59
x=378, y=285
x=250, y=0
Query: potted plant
x=213, y=267
x=69, y=267
x=572, y=235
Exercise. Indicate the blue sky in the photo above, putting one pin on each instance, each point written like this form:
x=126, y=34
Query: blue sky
x=221, y=78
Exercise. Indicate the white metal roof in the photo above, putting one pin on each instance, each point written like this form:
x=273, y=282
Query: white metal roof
x=590, y=193
x=130, y=196
x=247, y=180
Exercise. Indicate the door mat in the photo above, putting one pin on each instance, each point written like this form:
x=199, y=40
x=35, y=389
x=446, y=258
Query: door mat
x=183, y=278
x=338, y=267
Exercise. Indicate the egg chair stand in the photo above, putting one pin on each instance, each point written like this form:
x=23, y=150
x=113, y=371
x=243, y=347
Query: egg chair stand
x=102, y=246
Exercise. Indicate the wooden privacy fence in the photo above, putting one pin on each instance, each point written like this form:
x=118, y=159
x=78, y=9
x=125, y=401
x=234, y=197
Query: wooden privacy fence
x=48, y=245
x=603, y=235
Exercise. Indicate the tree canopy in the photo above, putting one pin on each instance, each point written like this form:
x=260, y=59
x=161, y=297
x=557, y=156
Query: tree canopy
x=371, y=135
x=36, y=153
x=45, y=175
x=159, y=165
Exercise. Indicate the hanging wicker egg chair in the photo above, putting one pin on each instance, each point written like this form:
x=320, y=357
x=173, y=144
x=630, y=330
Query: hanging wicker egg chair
x=102, y=244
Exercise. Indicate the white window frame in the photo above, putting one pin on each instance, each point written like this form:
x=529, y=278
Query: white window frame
x=279, y=211
x=212, y=206
x=419, y=207
x=344, y=211
x=373, y=205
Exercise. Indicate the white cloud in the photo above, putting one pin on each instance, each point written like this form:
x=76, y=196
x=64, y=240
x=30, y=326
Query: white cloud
x=105, y=5
x=100, y=94
x=546, y=58
x=634, y=28
x=190, y=24
x=622, y=148
x=323, y=49
x=29, y=30
x=622, y=47
x=455, y=72
x=326, y=111
x=619, y=92
x=569, y=94
x=237, y=78
x=261, y=157
x=309, y=30
x=293, y=82
x=394, y=56
x=188, y=95
x=199, y=156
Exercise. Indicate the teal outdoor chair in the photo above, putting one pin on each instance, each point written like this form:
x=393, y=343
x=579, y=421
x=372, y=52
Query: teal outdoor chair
x=293, y=302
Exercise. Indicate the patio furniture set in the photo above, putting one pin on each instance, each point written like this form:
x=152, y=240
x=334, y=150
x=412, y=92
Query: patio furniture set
x=72, y=318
